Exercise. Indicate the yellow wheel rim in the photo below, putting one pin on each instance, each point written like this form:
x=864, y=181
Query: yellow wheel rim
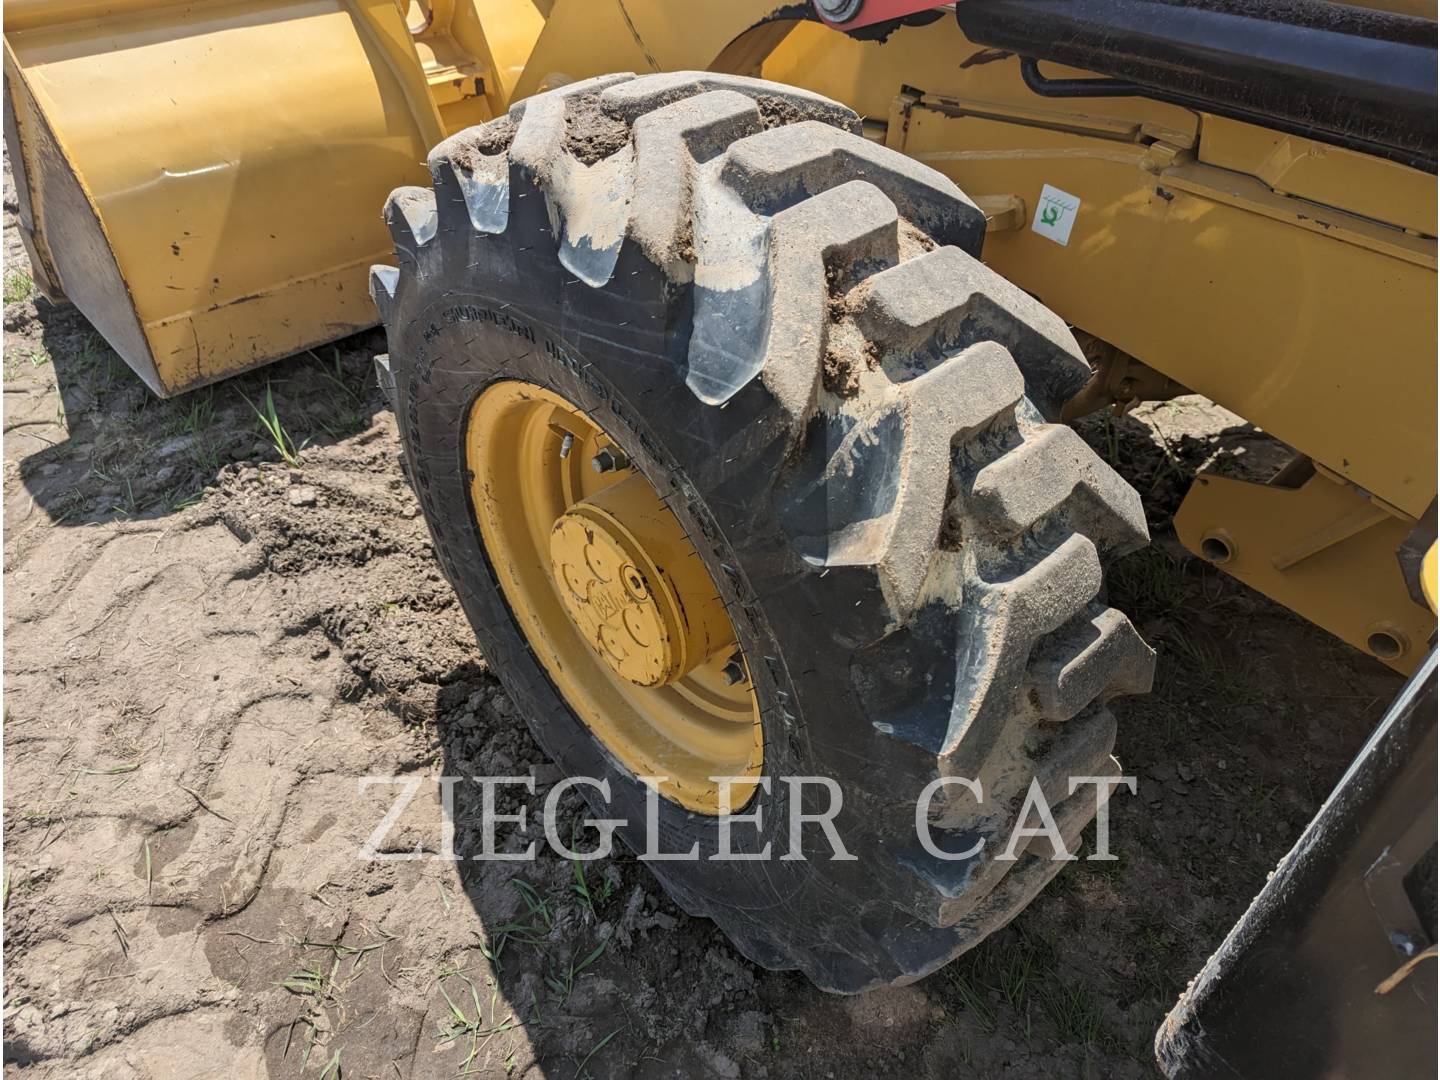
x=612, y=597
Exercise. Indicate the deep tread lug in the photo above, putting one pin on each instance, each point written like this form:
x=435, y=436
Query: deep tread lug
x=410, y=215
x=1031, y=483
x=780, y=167
x=1101, y=658
x=944, y=299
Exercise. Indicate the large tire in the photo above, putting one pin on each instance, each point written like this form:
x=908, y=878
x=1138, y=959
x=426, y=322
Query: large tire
x=789, y=331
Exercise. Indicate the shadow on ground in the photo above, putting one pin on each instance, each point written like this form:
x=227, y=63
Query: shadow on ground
x=112, y=450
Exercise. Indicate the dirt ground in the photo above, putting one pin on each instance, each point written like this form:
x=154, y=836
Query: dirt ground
x=206, y=648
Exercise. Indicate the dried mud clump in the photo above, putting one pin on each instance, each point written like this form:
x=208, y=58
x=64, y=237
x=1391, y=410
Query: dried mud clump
x=840, y=374
x=496, y=136
x=591, y=134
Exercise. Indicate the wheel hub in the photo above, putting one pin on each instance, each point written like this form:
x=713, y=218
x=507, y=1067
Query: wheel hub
x=633, y=585
x=613, y=599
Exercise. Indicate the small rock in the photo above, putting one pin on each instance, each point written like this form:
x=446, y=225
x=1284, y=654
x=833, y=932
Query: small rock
x=301, y=495
x=1186, y=773
x=164, y=474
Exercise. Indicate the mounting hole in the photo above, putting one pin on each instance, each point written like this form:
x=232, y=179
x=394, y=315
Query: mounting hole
x=1217, y=547
x=1386, y=644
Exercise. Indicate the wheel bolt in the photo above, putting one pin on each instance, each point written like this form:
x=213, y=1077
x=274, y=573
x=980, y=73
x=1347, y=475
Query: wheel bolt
x=610, y=459
x=565, y=444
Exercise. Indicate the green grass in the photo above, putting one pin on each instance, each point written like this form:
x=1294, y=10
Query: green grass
x=269, y=419
x=1006, y=978
x=971, y=995
x=562, y=982
x=1075, y=1011
x=17, y=359
x=1195, y=666
x=18, y=286
x=196, y=420
x=459, y=1024
x=1149, y=582
x=593, y=898
x=103, y=362
x=321, y=990
x=314, y=988
x=580, y=1071
x=536, y=908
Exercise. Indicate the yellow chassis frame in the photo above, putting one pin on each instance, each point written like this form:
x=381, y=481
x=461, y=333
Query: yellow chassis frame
x=204, y=181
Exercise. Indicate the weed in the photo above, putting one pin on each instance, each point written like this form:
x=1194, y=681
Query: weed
x=1151, y=581
x=1013, y=968
x=1200, y=664
x=180, y=500
x=314, y=987
x=206, y=456
x=535, y=907
x=579, y=1072
x=338, y=375
x=461, y=1025
x=972, y=996
x=269, y=418
x=596, y=897
x=564, y=982
x=1007, y=967
x=1075, y=1011
x=96, y=356
x=196, y=420
x=344, y=423
x=18, y=286
x=320, y=990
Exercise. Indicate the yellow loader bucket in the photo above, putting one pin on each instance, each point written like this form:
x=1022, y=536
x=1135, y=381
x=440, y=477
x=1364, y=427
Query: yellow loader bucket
x=204, y=180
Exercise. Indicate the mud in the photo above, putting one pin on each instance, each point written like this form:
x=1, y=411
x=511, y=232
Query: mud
x=209, y=647
x=592, y=134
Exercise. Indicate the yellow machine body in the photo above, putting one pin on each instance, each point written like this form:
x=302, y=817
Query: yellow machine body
x=205, y=190
x=203, y=181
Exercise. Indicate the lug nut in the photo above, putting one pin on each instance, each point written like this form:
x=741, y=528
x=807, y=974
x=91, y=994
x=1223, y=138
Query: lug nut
x=566, y=443
x=610, y=459
x=734, y=671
